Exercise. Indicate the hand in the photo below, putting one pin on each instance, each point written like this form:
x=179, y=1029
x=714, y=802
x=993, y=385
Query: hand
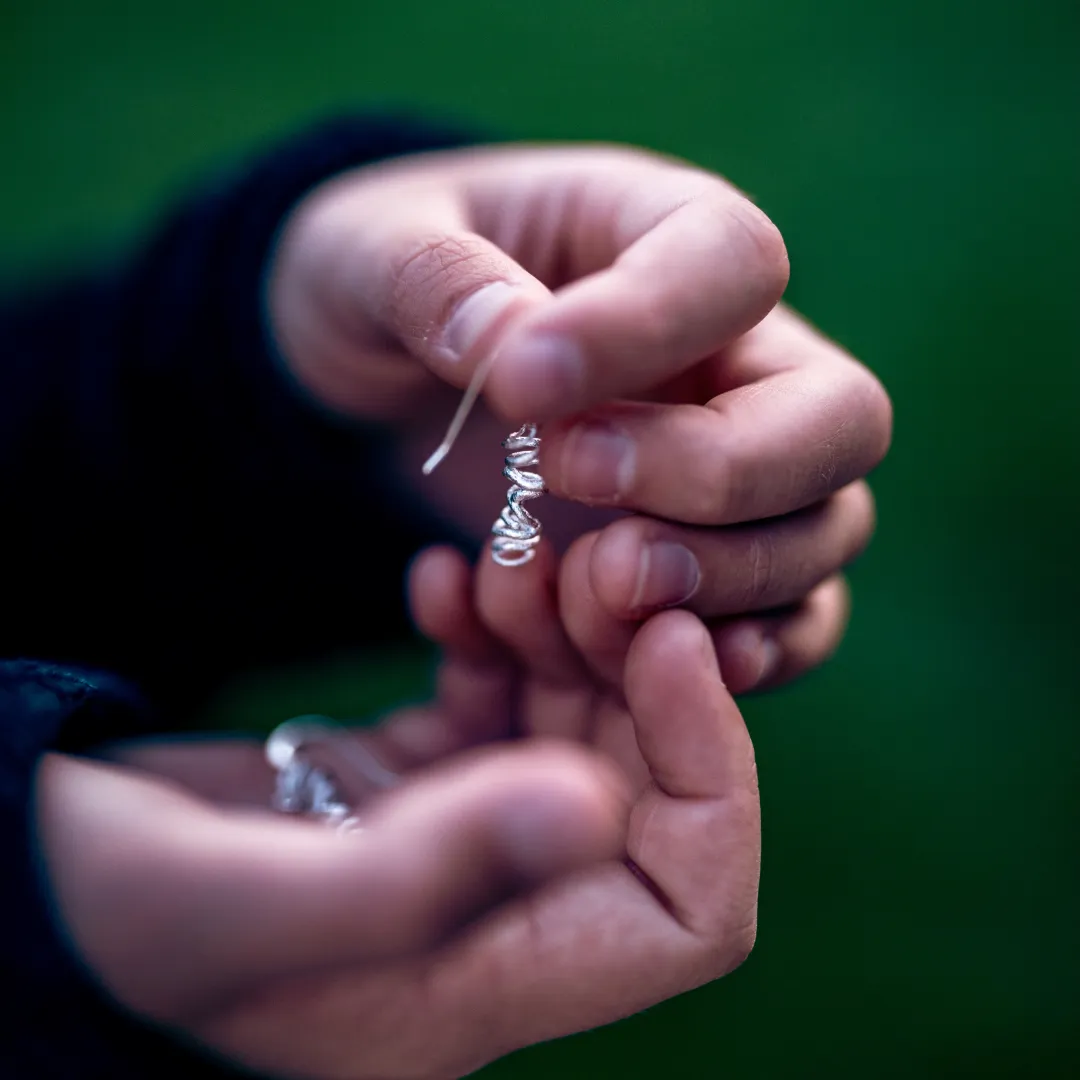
x=632, y=302
x=395, y=951
x=296, y=950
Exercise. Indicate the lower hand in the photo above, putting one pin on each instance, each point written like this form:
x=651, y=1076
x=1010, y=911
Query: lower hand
x=505, y=893
x=631, y=304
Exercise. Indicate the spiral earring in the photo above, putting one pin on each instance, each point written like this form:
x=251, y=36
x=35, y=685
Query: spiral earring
x=516, y=531
x=322, y=771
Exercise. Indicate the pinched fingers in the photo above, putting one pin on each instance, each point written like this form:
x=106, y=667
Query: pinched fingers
x=645, y=318
x=640, y=565
x=451, y=260
x=754, y=651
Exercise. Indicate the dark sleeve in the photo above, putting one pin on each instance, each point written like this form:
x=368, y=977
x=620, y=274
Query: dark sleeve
x=56, y=1024
x=172, y=510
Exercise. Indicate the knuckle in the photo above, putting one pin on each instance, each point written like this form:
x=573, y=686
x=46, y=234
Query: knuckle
x=761, y=574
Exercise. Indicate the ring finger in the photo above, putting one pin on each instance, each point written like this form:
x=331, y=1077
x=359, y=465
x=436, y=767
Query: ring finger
x=641, y=565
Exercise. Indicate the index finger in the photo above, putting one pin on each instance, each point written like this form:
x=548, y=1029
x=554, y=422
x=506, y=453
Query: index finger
x=694, y=265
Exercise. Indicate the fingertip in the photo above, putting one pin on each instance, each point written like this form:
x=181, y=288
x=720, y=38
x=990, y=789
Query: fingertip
x=689, y=728
x=667, y=651
x=766, y=652
x=537, y=375
x=677, y=636
x=519, y=607
x=808, y=636
x=575, y=592
x=438, y=578
x=614, y=567
x=636, y=570
x=601, y=637
x=433, y=568
x=441, y=584
x=497, y=585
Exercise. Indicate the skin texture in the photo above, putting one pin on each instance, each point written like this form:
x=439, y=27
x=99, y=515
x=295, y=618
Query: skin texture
x=576, y=834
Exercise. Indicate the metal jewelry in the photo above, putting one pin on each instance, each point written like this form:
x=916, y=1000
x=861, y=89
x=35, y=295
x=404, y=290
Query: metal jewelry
x=323, y=771
x=516, y=531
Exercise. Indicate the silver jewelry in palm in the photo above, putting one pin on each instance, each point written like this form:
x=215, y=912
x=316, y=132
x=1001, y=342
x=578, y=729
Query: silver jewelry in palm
x=323, y=771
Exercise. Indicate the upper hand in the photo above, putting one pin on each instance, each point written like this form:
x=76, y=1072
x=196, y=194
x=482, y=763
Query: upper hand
x=631, y=302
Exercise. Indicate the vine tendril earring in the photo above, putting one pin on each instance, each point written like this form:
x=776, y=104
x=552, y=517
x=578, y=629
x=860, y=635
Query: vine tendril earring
x=517, y=531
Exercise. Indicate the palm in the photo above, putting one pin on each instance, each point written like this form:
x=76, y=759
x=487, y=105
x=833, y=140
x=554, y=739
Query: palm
x=584, y=950
x=591, y=712
x=422, y=1013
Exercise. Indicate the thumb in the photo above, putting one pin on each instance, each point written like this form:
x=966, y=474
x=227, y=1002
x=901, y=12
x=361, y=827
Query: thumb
x=433, y=854
x=447, y=294
x=175, y=904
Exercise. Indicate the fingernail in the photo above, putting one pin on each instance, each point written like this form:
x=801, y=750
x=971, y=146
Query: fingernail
x=548, y=370
x=668, y=574
x=598, y=463
x=476, y=315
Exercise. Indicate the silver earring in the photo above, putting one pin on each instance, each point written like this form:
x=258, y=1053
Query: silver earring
x=516, y=531
x=322, y=771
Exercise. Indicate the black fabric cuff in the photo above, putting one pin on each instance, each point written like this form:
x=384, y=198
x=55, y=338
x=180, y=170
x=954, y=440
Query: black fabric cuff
x=56, y=1022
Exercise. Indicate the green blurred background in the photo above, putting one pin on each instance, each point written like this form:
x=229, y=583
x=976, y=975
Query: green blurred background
x=920, y=910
